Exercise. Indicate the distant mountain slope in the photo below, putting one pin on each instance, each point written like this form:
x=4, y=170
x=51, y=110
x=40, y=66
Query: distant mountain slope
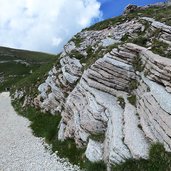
x=16, y=65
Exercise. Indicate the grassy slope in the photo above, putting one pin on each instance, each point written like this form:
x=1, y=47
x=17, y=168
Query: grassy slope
x=14, y=72
x=29, y=56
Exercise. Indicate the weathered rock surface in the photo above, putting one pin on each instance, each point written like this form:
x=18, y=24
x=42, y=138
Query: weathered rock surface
x=88, y=110
x=88, y=99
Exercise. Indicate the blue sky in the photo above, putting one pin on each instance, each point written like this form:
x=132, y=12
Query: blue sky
x=112, y=8
x=48, y=25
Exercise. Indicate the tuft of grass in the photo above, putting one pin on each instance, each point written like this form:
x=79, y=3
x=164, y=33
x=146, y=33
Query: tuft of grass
x=110, y=47
x=159, y=160
x=133, y=84
x=89, y=50
x=76, y=54
x=100, y=137
x=77, y=39
x=132, y=99
x=161, y=48
x=137, y=64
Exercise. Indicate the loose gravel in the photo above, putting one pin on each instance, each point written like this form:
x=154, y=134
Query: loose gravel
x=20, y=150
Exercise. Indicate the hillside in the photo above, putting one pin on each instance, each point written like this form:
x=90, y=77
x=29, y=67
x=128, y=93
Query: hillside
x=110, y=92
x=16, y=65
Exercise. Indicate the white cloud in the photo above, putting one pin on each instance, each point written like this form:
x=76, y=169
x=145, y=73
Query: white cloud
x=44, y=25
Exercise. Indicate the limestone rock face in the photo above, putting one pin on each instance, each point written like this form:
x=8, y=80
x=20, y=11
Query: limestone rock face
x=123, y=95
x=92, y=106
x=94, y=151
x=58, y=83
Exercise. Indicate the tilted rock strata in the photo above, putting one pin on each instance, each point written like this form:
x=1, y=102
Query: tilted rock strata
x=88, y=100
x=88, y=110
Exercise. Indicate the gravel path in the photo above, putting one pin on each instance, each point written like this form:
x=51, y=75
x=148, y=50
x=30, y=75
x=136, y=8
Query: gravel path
x=19, y=149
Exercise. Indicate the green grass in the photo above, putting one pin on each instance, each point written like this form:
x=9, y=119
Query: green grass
x=159, y=160
x=13, y=72
x=46, y=125
x=13, y=68
x=42, y=124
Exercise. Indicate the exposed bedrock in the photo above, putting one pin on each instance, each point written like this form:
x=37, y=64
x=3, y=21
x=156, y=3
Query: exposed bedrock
x=121, y=104
x=92, y=108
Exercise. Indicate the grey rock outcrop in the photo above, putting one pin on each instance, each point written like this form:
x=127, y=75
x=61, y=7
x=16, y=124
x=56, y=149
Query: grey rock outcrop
x=89, y=98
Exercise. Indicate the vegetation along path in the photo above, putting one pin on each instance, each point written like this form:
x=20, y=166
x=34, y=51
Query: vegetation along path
x=20, y=150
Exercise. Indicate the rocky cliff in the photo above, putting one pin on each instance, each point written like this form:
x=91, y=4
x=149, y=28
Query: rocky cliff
x=112, y=87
